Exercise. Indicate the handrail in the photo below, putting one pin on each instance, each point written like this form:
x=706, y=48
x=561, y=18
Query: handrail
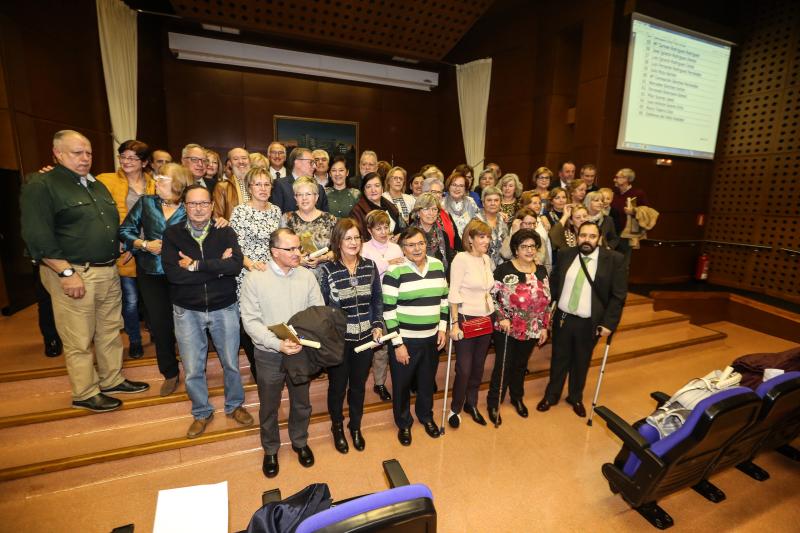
x=742, y=244
x=695, y=242
x=788, y=251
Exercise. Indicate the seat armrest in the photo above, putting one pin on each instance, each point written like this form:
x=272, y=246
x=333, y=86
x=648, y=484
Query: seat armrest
x=270, y=496
x=629, y=436
x=660, y=397
x=395, y=473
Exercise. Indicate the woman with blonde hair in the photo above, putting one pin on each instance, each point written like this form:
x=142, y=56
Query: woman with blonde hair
x=542, y=178
x=214, y=170
x=594, y=209
x=258, y=160
x=510, y=189
x=394, y=184
x=309, y=223
x=470, y=282
x=564, y=233
x=576, y=191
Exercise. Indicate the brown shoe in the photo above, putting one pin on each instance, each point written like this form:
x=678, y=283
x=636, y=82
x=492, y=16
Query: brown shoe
x=169, y=385
x=198, y=427
x=242, y=417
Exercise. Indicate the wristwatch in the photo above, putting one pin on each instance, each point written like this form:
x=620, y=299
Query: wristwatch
x=67, y=272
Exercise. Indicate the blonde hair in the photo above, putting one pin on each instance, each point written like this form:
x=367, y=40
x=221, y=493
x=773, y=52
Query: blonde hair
x=180, y=176
x=305, y=181
x=258, y=160
x=517, y=184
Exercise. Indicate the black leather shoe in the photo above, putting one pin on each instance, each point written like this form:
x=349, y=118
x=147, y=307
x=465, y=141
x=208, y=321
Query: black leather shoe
x=135, y=351
x=494, y=416
x=404, y=436
x=431, y=429
x=339, y=440
x=358, y=439
x=99, y=403
x=543, y=406
x=475, y=414
x=522, y=409
x=578, y=408
x=127, y=387
x=305, y=456
x=270, y=465
x=53, y=348
x=383, y=392
x=454, y=420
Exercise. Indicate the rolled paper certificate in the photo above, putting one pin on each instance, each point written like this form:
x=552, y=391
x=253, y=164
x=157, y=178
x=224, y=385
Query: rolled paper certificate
x=373, y=344
x=310, y=343
x=321, y=251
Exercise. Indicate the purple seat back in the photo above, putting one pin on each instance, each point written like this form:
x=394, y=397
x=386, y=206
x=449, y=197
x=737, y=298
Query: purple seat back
x=768, y=385
x=363, y=505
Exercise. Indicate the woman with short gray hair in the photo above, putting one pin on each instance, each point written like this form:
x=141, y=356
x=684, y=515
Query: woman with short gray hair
x=491, y=215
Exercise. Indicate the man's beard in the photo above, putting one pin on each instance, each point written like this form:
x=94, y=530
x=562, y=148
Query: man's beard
x=586, y=248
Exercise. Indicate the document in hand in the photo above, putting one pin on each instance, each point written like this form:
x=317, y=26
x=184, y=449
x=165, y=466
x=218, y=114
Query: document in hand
x=284, y=331
x=176, y=510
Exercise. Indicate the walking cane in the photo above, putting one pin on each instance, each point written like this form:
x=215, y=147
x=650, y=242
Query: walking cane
x=600, y=379
x=446, y=383
x=502, y=389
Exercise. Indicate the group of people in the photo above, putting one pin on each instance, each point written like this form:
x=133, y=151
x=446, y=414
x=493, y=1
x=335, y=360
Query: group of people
x=224, y=250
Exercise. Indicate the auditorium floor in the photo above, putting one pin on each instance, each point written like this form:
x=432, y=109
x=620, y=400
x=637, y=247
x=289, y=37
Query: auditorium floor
x=535, y=474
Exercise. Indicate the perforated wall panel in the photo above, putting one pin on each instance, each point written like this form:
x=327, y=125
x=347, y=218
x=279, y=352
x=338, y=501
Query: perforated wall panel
x=755, y=197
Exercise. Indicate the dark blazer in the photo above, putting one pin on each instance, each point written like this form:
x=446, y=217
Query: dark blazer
x=611, y=281
x=283, y=195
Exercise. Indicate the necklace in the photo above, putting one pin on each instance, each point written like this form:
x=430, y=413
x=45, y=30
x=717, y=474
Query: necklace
x=167, y=203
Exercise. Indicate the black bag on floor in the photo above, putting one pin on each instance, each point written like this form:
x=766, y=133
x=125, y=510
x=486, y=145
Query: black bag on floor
x=284, y=516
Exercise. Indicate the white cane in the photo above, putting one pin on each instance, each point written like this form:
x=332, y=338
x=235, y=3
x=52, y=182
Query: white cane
x=446, y=383
x=600, y=379
x=502, y=377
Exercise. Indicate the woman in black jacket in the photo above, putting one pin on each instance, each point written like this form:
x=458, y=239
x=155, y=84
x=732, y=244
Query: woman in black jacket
x=372, y=199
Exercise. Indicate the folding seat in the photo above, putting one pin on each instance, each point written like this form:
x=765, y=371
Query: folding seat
x=646, y=469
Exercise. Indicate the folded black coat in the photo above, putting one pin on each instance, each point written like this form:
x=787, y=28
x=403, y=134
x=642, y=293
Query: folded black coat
x=752, y=366
x=325, y=325
x=287, y=514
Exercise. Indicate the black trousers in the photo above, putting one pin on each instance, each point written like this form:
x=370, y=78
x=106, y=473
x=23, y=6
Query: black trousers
x=246, y=344
x=573, y=343
x=155, y=295
x=420, y=352
x=44, y=306
x=350, y=377
x=517, y=355
x=470, y=360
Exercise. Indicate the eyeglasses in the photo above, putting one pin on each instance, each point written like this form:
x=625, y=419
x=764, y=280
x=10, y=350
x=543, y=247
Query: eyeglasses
x=305, y=194
x=275, y=152
x=356, y=238
x=320, y=159
x=420, y=244
x=431, y=209
x=162, y=161
x=290, y=249
x=528, y=247
x=128, y=158
x=305, y=159
x=437, y=193
x=195, y=160
x=199, y=205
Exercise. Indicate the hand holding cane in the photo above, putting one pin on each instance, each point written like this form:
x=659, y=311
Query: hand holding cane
x=600, y=378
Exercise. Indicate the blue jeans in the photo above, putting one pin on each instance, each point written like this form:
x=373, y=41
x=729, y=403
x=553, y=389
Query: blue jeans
x=190, y=331
x=130, y=309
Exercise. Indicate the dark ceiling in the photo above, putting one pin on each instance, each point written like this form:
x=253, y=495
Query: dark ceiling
x=424, y=30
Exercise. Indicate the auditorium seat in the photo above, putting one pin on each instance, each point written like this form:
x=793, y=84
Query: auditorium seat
x=646, y=469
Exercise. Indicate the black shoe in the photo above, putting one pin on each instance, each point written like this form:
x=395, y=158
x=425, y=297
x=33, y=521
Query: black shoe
x=383, y=392
x=99, y=403
x=305, y=456
x=135, y=351
x=543, y=406
x=358, y=439
x=270, y=465
x=454, y=420
x=522, y=410
x=127, y=387
x=431, y=429
x=494, y=416
x=53, y=348
x=404, y=436
x=339, y=440
x=475, y=414
x=578, y=408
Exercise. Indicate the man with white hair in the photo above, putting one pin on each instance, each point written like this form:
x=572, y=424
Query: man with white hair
x=276, y=153
x=366, y=164
x=321, y=166
x=193, y=157
x=70, y=225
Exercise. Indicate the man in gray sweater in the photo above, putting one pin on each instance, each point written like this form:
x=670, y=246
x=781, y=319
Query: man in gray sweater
x=268, y=298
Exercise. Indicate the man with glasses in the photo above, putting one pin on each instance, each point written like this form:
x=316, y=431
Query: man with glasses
x=158, y=159
x=415, y=305
x=271, y=297
x=202, y=262
x=321, y=166
x=366, y=164
x=276, y=153
x=193, y=157
x=302, y=164
x=70, y=225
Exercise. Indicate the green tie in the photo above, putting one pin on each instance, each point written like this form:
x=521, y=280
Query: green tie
x=577, y=287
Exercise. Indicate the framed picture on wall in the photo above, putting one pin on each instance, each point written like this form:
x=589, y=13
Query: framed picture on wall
x=337, y=137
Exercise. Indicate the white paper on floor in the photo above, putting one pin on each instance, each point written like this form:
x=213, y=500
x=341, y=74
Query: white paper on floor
x=195, y=509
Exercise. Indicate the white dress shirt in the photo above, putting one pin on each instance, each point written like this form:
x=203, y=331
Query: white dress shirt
x=280, y=173
x=585, y=303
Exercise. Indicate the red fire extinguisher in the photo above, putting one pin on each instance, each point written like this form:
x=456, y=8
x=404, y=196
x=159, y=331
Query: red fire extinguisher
x=701, y=270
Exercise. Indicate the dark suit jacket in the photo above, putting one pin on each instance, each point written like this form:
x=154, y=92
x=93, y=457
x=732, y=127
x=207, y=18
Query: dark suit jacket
x=611, y=281
x=283, y=195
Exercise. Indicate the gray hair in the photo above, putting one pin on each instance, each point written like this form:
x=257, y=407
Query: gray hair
x=426, y=200
x=189, y=147
x=517, y=184
x=59, y=137
x=489, y=191
x=428, y=183
x=627, y=173
x=367, y=153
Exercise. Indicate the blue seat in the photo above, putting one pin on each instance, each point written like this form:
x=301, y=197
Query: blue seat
x=648, y=469
x=407, y=508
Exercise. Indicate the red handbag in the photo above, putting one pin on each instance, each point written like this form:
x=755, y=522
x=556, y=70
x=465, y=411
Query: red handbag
x=475, y=327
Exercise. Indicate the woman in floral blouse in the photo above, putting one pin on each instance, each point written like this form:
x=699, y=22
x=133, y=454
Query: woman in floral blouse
x=522, y=299
x=254, y=222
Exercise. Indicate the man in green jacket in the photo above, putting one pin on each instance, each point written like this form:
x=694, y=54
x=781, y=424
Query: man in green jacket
x=70, y=224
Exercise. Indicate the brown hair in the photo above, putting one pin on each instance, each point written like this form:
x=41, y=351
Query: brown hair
x=474, y=228
x=338, y=233
x=376, y=217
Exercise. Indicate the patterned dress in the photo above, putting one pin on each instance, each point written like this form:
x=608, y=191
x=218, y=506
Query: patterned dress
x=317, y=231
x=253, y=228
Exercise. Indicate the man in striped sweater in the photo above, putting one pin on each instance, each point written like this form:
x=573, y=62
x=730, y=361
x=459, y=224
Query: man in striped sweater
x=415, y=306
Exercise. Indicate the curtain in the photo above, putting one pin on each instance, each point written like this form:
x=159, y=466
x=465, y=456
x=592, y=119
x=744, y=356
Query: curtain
x=473, y=100
x=117, y=28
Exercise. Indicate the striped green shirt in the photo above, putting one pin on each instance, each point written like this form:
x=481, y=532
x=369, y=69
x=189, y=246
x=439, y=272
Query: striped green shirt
x=415, y=302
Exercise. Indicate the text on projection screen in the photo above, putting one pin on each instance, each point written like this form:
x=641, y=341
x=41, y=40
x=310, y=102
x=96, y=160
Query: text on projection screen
x=674, y=87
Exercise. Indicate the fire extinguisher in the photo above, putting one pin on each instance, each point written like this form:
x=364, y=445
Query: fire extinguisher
x=701, y=270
